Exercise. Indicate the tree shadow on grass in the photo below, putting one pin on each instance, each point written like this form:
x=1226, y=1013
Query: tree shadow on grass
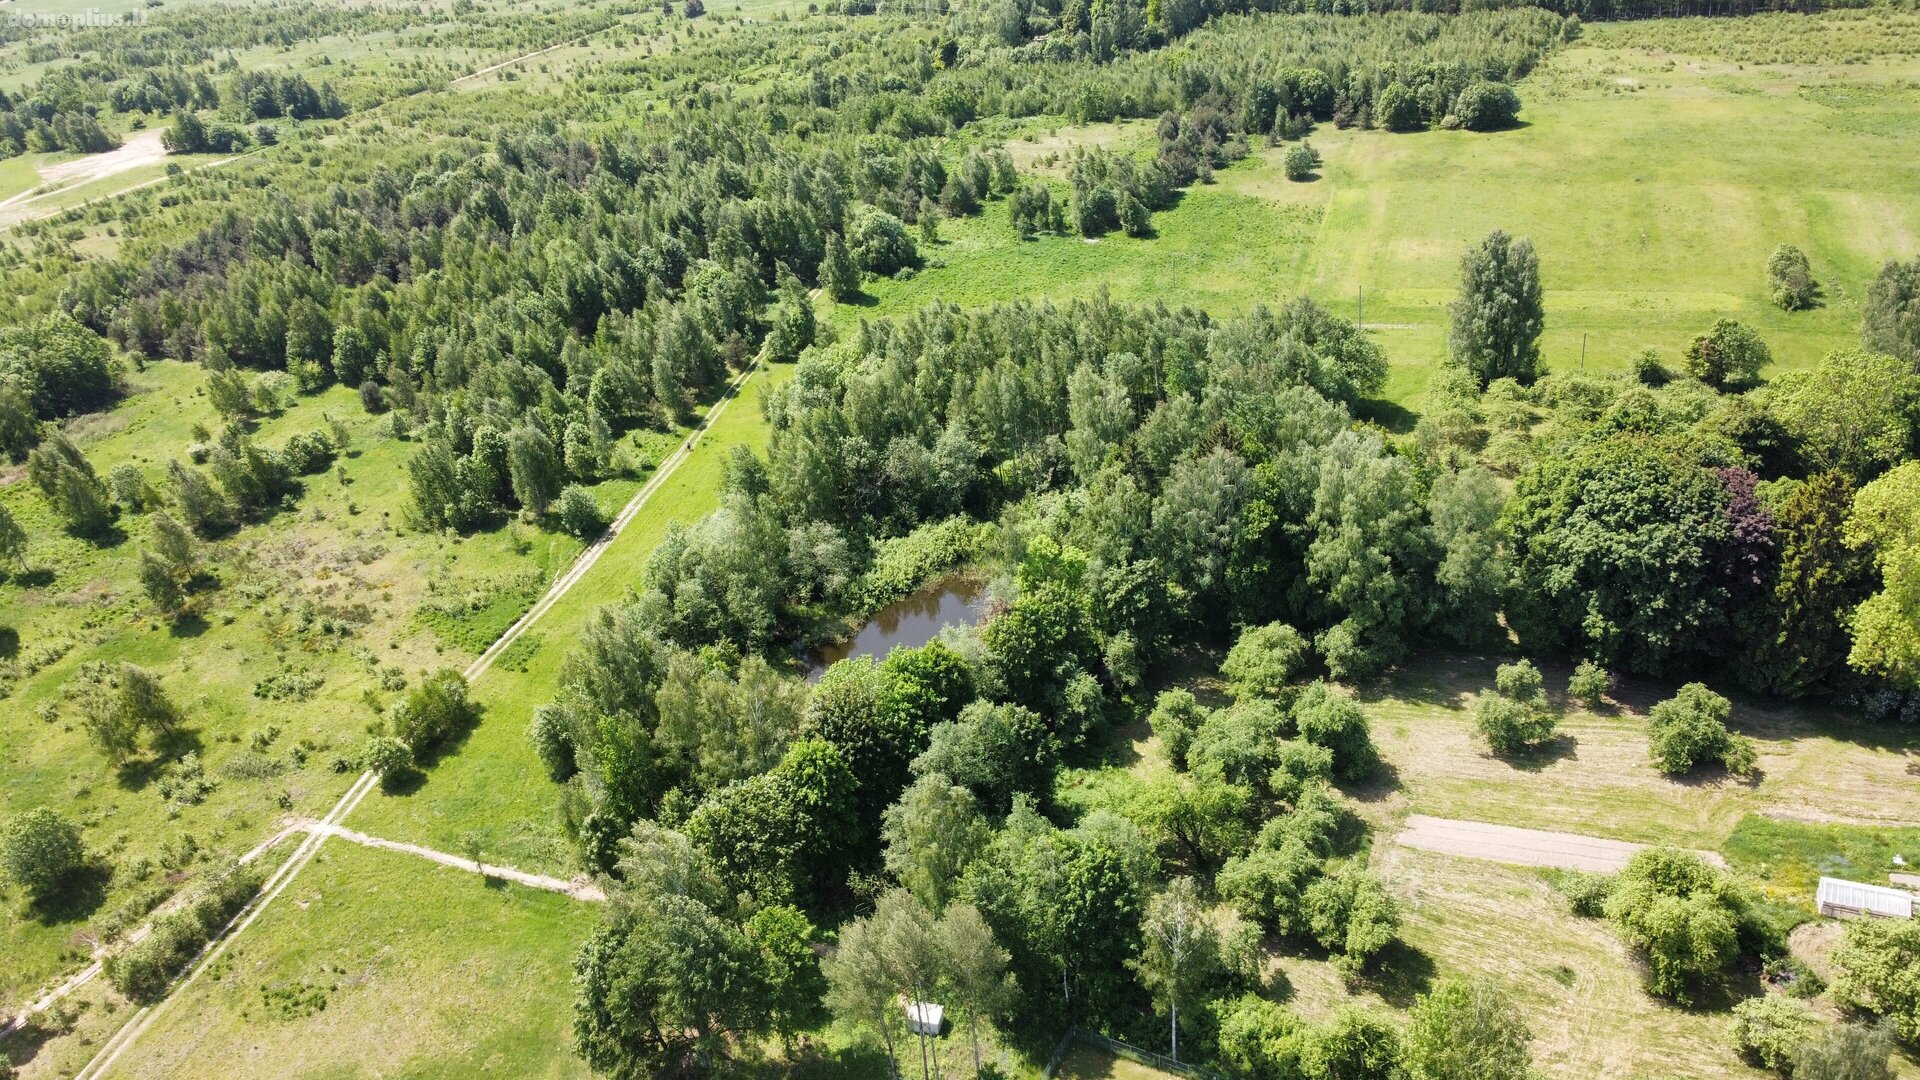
x=38, y=577
x=1384, y=783
x=188, y=626
x=812, y=1060
x=451, y=746
x=1391, y=415
x=1560, y=747
x=402, y=782
x=77, y=898
x=25, y=1044
x=1399, y=974
x=1717, y=776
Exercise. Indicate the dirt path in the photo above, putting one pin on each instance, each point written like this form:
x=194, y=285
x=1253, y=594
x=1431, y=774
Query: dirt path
x=491, y=68
x=1521, y=847
x=579, y=890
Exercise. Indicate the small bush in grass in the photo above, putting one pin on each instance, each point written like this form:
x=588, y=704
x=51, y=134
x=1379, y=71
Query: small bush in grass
x=1515, y=718
x=1648, y=370
x=1586, y=893
x=1769, y=1031
x=433, y=711
x=1790, y=283
x=1300, y=161
x=1328, y=719
x=1689, y=730
x=1486, y=106
x=579, y=513
x=387, y=757
x=551, y=733
x=1729, y=354
x=1589, y=684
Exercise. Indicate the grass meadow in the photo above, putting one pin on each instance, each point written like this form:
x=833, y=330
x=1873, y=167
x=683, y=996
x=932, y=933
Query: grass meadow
x=328, y=982
x=1653, y=186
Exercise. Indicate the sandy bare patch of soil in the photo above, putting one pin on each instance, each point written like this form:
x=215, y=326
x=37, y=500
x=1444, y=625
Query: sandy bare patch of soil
x=1521, y=847
x=139, y=148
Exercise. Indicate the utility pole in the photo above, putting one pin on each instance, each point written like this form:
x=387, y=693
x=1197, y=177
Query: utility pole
x=1583, y=352
x=1362, y=320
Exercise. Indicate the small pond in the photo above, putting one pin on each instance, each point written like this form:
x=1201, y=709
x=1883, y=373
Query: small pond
x=959, y=600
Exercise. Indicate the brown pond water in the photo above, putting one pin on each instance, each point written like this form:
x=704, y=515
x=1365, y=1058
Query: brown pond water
x=954, y=601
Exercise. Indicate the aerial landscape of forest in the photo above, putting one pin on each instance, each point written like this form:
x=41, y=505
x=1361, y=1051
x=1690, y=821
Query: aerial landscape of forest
x=1227, y=539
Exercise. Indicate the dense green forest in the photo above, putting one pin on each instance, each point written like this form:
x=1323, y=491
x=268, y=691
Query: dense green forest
x=433, y=335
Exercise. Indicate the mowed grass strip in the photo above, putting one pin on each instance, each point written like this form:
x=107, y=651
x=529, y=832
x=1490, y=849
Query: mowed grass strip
x=1596, y=778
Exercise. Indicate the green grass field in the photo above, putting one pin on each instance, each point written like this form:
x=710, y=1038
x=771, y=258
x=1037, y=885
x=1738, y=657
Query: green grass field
x=1653, y=186
x=1085, y=1062
x=354, y=939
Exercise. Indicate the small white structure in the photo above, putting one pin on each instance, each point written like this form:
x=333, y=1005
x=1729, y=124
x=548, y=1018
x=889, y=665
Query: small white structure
x=1837, y=897
x=925, y=1017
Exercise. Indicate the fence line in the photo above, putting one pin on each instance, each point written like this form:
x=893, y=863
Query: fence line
x=1126, y=1050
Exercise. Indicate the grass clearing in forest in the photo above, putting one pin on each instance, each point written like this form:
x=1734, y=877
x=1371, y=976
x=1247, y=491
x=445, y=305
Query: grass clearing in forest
x=1595, y=778
x=1653, y=186
x=1580, y=989
x=1085, y=1062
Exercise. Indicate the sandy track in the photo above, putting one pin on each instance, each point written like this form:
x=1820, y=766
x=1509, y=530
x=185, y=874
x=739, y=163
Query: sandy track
x=1521, y=847
x=140, y=149
x=579, y=890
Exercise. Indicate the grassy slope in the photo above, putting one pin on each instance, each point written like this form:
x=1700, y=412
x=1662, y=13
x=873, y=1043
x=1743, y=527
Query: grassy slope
x=1653, y=189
